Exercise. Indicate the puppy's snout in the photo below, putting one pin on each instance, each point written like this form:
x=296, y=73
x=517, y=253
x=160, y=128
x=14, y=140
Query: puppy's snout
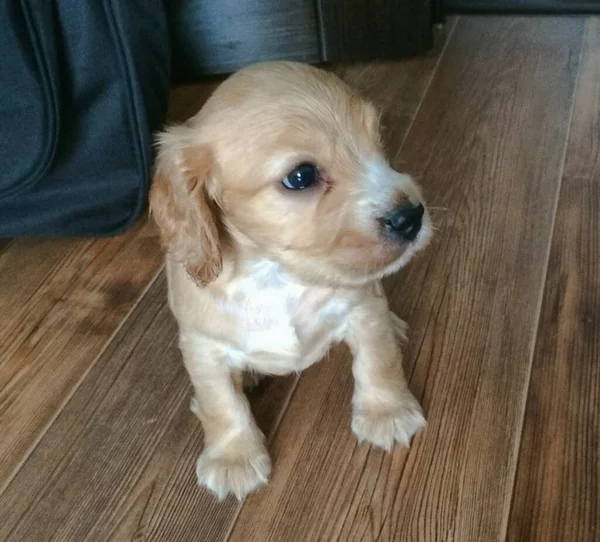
x=405, y=220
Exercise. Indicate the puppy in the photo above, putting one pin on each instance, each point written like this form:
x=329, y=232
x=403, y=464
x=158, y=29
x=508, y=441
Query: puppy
x=280, y=215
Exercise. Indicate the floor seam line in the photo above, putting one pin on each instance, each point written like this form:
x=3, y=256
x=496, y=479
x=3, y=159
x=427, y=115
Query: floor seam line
x=537, y=322
x=72, y=392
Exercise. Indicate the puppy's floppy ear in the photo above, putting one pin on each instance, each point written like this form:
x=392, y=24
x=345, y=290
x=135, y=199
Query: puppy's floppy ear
x=181, y=206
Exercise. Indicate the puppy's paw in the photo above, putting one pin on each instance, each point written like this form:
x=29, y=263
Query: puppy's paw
x=382, y=425
x=239, y=467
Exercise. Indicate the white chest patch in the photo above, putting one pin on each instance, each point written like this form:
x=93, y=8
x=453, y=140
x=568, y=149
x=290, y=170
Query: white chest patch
x=285, y=326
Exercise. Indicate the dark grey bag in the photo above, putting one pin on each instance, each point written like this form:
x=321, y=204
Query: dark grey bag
x=83, y=84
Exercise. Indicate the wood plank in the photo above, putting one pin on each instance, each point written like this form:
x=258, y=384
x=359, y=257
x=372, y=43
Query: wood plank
x=487, y=144
x=397, y=88
x=4, y=242
x=186, y=100
x=557, y=489
x=127, y=433
x=61, y=299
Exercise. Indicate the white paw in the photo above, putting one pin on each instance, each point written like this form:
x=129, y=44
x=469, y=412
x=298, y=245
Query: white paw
x=239, y=467
x=382, y=425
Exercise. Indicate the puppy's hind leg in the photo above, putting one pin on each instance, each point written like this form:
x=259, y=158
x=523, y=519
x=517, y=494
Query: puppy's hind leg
x=235, y=459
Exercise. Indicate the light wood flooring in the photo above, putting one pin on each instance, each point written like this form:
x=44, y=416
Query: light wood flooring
x=501, y=125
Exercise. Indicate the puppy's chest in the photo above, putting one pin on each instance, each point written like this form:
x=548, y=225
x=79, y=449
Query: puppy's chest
x=286, y=326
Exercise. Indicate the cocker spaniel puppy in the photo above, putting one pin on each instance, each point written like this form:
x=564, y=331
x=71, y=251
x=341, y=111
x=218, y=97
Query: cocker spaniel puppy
x=280, y=215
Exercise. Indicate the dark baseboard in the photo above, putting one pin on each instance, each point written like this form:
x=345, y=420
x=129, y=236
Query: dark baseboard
x=565, y=7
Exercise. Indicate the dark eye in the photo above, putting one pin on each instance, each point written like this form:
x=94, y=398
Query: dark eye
x=302, y=177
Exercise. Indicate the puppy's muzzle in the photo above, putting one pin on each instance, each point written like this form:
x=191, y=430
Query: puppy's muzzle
x=404, y=221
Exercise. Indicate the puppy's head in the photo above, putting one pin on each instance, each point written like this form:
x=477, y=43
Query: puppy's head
x=285, y=161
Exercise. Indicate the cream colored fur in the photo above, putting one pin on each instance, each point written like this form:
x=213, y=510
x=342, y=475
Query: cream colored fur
x=263, y=279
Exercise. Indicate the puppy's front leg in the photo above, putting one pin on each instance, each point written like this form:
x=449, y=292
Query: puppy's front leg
x=384, y=410
x=235, y=459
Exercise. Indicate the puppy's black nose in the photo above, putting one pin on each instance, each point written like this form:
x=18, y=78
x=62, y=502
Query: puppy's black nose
x=405, y=220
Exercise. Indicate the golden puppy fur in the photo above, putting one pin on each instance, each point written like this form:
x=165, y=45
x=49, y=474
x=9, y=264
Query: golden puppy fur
x=263, y=278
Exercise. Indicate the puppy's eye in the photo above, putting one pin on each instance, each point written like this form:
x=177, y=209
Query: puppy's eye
x=302, y=177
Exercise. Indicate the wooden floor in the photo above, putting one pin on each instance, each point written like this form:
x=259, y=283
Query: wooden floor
x=501, y=125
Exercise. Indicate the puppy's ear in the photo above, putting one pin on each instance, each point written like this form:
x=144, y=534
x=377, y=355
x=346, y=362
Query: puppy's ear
x=181, y=206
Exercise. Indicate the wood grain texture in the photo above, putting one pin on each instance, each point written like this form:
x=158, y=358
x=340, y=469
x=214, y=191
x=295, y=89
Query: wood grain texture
x=96, y=438
x=118, y=463
x=4, y=242
x=186, y=100
x=61, y=302
x=557, y=489
x=396, y=88
x=127, y=433
x=487, y=144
